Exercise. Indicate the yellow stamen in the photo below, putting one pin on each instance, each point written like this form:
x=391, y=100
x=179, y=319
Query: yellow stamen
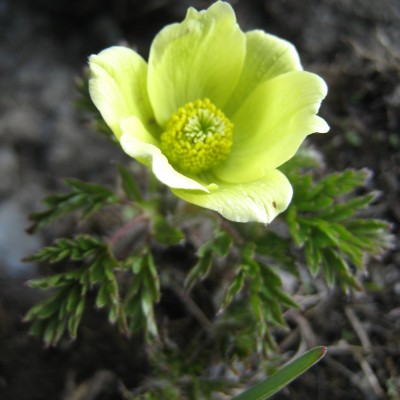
x=197, y=137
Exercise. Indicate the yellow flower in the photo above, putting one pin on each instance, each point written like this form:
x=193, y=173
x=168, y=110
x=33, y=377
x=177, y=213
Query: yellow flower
x=214, y=113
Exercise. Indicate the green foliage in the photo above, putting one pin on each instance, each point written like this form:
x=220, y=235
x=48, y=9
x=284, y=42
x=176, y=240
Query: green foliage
x=89, y=197
x=91, y=269
x=264, y=291
x=325, y=228
x=267, y=297
x=219, y=245
x=63, y=310
x=142, y=293
x=325, y=221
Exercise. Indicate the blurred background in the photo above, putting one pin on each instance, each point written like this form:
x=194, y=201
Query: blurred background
x=44, y=47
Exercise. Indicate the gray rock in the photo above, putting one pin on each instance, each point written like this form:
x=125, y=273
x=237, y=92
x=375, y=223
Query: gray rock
x=9, y=169
x=15, y=243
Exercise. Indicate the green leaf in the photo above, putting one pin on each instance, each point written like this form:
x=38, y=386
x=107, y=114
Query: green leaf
x=284, y=376
x=221, y=243
x=141, y=295
x=151, y=278
x=89, y=197
x=129, y=185
x=283, y=297
x=200, y=270
x=164, y=232
x=96, y=266
x=50, y=332
x=73, y=299
x=234, y=288
x=324, y=221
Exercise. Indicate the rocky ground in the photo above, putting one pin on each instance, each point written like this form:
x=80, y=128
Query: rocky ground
x=44, y=46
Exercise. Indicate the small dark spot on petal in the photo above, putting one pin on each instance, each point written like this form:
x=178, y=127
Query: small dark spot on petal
x=273, y=204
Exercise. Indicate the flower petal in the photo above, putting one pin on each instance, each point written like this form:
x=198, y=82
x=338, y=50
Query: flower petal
x=118, y=87
x=261, y=200
x=200, y=57
x=141, y=145
x=267, y=56
x=272, y=123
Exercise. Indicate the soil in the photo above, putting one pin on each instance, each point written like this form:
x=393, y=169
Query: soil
x=44, y=46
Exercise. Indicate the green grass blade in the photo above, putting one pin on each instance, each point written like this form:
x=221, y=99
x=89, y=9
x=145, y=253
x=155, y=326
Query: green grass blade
x=284, y=376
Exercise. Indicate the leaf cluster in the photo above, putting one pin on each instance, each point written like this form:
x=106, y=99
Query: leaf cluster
x=325, y=228
x=92, y=268
x=89, y=197
x=266, y=295
x=325, y=220
x=64, y=309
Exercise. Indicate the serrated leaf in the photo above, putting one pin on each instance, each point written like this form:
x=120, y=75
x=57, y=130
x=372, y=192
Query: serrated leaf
x=73, y=299
x=59, y=331
x=62, y=310
x=234, y=288
x=102, y=297
x=375, y=234
x=284, y=298
x=50, y=332
x=80, y=308
x=73, y=323
x=75, y=318
x=313, y=261
x=49, y=307
x=296, y=231
x=256, y=306
x=341, y=183
x=199, y=271
x=276, y=313
x=113, y=314
x=349, y=208
x=88, y=196
x=136, y=319
x=318, y=203
x=328, y=268
x=46, y=282
x=97, y=271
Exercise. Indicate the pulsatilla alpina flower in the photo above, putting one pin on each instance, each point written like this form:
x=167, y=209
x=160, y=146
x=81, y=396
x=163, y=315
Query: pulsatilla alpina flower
x=214, y=113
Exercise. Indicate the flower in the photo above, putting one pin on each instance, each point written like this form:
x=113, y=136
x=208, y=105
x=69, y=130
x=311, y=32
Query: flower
x=213, y=113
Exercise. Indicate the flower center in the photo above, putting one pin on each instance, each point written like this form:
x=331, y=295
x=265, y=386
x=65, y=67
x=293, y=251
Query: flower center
x=197, y=137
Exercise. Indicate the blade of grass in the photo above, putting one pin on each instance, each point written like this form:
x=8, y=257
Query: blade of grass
x=284, y=376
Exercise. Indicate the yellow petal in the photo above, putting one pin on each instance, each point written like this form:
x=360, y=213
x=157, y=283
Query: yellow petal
x=118, y=87
x=200, y=57
x=272, y=123
x=267, y=56
x=260, y=201
x=141, y=145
